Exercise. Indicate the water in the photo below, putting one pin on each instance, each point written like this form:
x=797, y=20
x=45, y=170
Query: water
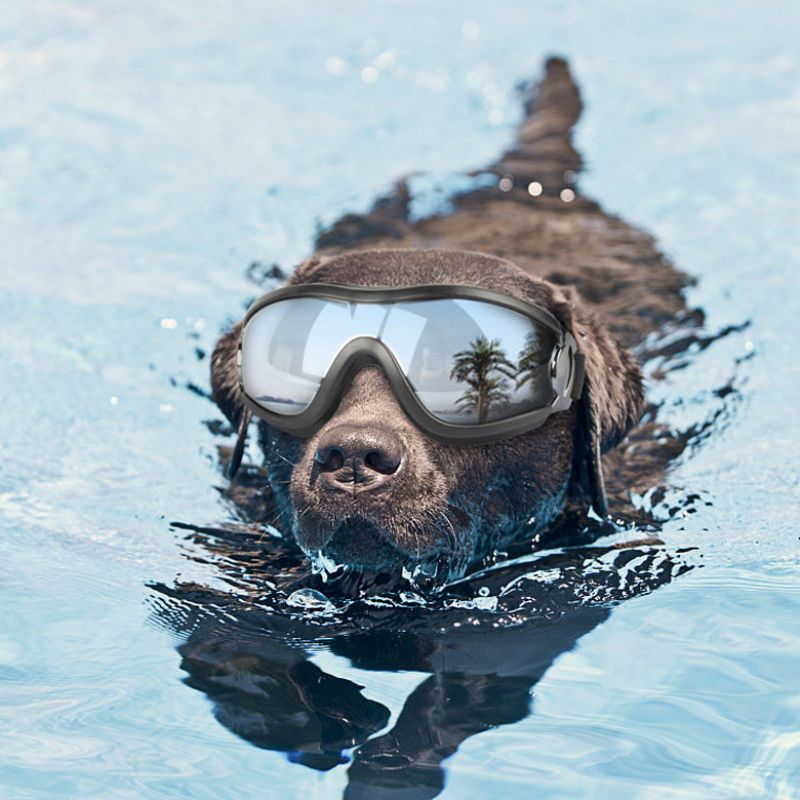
x=148, y=154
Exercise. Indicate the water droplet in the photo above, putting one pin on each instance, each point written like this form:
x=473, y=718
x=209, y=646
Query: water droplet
x=310, y=600
x=535, y=188
x=567, y=195
x=169, y=324
x=506, y=184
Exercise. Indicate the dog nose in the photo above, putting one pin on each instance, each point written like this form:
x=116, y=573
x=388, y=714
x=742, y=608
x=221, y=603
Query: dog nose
x=351, y=456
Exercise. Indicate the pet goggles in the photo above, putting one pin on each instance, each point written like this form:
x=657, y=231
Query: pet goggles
x=467, y=365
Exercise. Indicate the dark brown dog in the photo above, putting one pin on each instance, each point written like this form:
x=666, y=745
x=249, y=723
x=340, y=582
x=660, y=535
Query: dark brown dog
x=249, y=650
x=439, y=506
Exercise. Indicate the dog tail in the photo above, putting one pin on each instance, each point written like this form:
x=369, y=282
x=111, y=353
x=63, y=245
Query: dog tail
x=543, y=158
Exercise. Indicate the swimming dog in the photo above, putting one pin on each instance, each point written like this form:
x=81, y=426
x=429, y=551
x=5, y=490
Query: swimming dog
x=531, y=236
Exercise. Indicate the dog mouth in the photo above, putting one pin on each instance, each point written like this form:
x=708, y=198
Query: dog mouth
x=361, y=541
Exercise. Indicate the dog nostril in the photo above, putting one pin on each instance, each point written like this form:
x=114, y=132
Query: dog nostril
x=382, y=462
x=359, y=454
x=329, y=459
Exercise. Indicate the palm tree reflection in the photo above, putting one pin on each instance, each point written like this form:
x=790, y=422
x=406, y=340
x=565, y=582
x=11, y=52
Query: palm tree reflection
x=484, y=367
x=532, y=358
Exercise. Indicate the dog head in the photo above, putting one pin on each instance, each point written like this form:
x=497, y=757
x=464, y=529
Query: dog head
x=372, y=491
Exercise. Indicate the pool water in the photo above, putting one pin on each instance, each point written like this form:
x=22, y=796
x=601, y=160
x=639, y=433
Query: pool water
x=149, y=153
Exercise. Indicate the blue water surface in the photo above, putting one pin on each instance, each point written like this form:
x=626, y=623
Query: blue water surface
x=150, y=151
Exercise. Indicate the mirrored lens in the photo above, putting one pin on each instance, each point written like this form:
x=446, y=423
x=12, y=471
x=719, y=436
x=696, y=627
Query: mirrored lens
x=289, y=346
x=282, y=364
x=468, y=361
x=471, y=361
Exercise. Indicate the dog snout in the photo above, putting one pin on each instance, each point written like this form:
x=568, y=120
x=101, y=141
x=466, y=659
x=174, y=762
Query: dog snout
x=357, y=458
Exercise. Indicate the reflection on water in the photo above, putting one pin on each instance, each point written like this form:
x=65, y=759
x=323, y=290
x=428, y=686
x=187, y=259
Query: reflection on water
x=483, y=644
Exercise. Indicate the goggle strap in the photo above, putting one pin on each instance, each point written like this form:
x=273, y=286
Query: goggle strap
x=580, y=374
x=241, y=440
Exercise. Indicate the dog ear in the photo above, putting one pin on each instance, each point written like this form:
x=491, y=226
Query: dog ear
x=610, y=404
x=227, y=394
x=225, y=390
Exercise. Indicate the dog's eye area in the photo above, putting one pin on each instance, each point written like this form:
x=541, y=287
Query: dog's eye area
x=467, y=361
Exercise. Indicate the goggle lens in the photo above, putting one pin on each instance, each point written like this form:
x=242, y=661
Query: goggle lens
x=468, y=361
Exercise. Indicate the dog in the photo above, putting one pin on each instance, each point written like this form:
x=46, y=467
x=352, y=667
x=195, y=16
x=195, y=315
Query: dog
x=535, y=238
x=531, y=235
x=445, y=504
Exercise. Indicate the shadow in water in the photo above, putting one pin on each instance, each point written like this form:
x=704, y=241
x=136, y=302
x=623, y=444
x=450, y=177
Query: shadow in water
x=484, y=643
